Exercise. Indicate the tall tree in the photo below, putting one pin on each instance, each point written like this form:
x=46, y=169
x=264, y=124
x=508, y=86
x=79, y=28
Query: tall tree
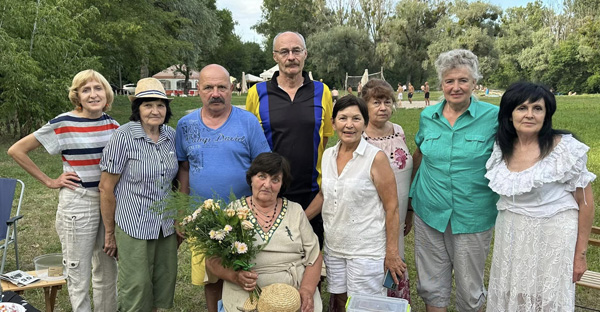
x=41, y=48
x=405, y=38
x=472, y=26
x=284, y=15
x=340, y=50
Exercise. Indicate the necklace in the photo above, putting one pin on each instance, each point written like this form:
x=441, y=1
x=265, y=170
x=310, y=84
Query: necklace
x=262, y=216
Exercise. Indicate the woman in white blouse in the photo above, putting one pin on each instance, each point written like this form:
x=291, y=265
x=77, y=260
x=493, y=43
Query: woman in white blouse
x=546, y=206
x=359, y=209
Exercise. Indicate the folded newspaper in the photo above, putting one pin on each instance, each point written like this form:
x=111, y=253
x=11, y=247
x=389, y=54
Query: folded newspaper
x=19, y=278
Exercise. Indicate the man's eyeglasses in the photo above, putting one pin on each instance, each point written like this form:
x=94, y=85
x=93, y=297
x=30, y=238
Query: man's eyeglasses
x=286, y=52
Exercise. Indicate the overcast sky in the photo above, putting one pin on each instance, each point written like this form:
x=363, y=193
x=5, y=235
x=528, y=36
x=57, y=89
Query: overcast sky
x=247, y=13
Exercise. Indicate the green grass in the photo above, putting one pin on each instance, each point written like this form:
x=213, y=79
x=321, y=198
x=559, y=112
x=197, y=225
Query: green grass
x=37, y=236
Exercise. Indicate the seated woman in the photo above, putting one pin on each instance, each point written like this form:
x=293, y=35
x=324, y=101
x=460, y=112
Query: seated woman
x=291, y=249
x=360, y=209
x=546, y=206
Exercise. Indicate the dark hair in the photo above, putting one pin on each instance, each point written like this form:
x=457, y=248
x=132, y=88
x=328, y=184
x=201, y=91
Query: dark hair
x=135, y=108
x=517, y=94
x=270, y=163
x=351, y=100
x=377, y=89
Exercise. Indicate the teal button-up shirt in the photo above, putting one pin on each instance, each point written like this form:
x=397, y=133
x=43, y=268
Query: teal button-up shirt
x=450, y=185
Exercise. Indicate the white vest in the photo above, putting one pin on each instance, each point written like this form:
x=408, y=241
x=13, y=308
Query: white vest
x=353, y=215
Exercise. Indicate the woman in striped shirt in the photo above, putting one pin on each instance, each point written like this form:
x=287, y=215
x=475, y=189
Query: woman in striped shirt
x=138, y=166
x=79, y=136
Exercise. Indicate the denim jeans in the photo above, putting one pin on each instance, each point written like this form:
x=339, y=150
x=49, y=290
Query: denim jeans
x=81, y=232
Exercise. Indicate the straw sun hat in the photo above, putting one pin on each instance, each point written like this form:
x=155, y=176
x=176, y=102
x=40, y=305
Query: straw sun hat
x=275, y=298
x=149, y=88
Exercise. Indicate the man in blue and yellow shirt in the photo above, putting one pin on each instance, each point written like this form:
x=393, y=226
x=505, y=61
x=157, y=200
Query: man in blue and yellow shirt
x=295, y=114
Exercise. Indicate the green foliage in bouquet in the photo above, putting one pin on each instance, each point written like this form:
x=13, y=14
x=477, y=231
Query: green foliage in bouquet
x=218, y=230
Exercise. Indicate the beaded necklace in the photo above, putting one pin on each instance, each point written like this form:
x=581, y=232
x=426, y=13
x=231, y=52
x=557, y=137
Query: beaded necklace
x=264, y=217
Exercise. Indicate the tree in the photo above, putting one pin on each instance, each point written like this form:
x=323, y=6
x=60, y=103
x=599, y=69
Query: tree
x=524, y=44
x=285, y=15
x=41, y=49
x=472, y=26
x=405, y=38
x=337, y=51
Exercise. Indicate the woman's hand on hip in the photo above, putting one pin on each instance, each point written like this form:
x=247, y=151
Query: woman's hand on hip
x=306, y=299
x=65, y=180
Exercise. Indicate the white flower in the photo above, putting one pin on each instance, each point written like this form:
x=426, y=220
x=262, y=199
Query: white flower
x=208, y=204
x=212, y=234
x=247, y=225
x=241, y=248
x=227, y=228
x=230, y=212
x=220, y=235
x=242, y=213
x=187, y=220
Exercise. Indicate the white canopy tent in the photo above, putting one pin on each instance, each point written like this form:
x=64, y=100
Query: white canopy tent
x=268, y=74
x=252, y=78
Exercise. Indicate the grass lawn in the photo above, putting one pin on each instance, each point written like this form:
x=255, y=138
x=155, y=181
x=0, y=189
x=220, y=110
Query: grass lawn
x=37, y=236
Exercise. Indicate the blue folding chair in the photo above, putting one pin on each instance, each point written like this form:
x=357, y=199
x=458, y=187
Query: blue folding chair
x=8, y=223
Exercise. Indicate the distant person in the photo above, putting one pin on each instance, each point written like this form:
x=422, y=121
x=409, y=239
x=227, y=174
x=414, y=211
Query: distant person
x=411, y=92
x=359, y=88
x=426, y=90
x=334, y=94
x=215, y=145
x=238, y=88
x=400, y=89
x=349, y=91
x=295, y=114
x=79, y=136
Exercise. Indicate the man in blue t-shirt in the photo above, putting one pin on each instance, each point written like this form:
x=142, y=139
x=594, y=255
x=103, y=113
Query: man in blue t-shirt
x=215, y=146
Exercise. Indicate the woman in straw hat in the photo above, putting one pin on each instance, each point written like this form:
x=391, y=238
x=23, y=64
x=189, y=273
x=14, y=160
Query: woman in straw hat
x=138, y=166
x=79, y=136
x=290, y=251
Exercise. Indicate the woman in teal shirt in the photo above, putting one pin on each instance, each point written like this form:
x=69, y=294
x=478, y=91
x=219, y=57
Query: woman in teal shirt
x=454, y=208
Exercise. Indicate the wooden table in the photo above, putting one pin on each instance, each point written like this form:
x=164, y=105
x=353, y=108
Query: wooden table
x=50, y=289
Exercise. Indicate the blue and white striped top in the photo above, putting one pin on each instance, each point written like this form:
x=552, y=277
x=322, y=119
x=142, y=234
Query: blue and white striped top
x=80, y=142
x=147, y=170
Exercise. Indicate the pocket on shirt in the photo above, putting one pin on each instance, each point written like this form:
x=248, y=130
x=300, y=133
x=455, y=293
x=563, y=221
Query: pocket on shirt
x=137, y=167
x=430, y=147
x=475, y=144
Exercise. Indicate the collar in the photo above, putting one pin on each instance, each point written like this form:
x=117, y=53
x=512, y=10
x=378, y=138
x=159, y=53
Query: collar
x=304, y=75
x=359, y=151
x=471, y=110
x=137, y=131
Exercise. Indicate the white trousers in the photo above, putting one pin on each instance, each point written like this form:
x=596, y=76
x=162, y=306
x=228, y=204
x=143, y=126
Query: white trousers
x=81, y=232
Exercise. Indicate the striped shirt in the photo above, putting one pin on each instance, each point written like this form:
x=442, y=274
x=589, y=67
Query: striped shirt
x=80, y=142
x=147, y=169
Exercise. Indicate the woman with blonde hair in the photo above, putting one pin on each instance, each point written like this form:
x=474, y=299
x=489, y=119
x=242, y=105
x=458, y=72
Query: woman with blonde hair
x=79, y=136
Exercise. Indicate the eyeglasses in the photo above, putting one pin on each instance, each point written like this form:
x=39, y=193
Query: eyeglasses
x=286, y=52
x=387, y=103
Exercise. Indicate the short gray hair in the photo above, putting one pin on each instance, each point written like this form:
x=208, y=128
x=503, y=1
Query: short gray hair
x=457, y=58
x=293, y=32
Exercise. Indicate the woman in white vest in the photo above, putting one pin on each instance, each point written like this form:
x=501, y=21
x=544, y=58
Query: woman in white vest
x=359, y=206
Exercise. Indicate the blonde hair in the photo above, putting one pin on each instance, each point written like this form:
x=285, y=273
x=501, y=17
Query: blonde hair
x=84, y=77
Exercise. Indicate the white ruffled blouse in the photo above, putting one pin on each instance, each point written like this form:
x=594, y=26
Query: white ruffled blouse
x=545, y=188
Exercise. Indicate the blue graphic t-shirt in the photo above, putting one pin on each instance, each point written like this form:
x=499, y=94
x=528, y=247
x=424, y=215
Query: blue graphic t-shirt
x=219, y=158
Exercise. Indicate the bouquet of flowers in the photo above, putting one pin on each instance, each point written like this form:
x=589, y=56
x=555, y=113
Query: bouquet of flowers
x=224, y=231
